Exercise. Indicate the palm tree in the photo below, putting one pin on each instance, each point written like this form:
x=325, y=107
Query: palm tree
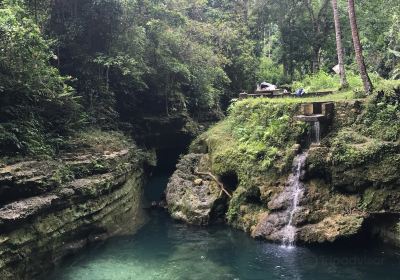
x=339, y=47
x=358, y=48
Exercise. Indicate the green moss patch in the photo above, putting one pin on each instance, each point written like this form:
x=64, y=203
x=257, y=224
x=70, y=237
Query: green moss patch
x=255, y=141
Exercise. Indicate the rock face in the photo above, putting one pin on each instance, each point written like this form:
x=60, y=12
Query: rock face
x=342, y=195
x=191, y=198
x=350, y=180
x=51, y=208
x=323, y=214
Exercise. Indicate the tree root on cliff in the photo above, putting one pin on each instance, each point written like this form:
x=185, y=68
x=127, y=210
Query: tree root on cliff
x=219, y=183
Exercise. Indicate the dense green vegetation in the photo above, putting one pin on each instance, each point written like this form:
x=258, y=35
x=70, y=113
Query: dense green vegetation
x=257, y=140
x=112, y=65
x=253, y=135
x=36, y=101
x=374, y=134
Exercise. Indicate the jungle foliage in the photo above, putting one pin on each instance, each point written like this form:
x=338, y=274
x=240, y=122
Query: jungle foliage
x=36, y=103
x=112, y=64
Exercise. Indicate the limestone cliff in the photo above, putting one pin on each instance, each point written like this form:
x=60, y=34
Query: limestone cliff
x=50, y=208
x=351, y=179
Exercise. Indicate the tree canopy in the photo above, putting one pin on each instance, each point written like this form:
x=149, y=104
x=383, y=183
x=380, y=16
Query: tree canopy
x=113, y=63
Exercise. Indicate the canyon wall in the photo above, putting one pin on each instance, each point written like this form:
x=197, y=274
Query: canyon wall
x=52, y=208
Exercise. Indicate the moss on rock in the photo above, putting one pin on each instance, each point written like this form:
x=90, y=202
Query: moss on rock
x=353, y=174
x=51, y=208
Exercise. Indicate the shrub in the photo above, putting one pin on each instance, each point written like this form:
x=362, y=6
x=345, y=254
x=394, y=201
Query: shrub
x=317, y=82
x=381, y=119
x=36, y=104
x=270, y=72
x=324, y=81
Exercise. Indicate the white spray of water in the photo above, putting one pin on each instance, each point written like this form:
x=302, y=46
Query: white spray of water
x=317, y=132
x=295, y=187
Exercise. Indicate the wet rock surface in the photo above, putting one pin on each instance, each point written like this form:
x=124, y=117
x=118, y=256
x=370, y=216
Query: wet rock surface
x=51, y=208
x=323, y=215
x=330, y=212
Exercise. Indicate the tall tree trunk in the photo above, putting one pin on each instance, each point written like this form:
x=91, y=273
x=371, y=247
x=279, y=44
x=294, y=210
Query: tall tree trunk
x=316, y=59
x=339, y=47
x=320, y=25
x=358, y=48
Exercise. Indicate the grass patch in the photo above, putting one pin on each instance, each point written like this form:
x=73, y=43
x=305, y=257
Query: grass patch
x=323, y=81
x=336, y=96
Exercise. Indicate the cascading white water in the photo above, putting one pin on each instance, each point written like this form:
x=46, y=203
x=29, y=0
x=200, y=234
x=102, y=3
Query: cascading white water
x=316, y=132
x=314, y=135
x=295, y=187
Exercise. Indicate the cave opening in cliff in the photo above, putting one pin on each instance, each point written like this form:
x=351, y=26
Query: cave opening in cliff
x=254, y=196
x=377, y=231
x=230, y=180
x=218, y=211
x=382, y=228
x=167, y=158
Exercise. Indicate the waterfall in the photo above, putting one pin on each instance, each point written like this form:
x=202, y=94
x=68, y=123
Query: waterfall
x=316, y=132
x=295, y=188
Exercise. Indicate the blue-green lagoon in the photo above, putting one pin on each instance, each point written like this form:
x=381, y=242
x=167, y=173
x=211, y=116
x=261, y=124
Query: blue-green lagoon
x=165, y=249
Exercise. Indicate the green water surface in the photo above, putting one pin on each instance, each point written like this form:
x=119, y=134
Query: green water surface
x=165, y=249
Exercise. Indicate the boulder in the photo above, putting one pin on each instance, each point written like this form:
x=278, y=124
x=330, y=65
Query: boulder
x=191, y=199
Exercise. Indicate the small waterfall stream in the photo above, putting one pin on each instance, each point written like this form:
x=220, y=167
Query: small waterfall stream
x=314, y=135
x=317, y=132
x=295, y=187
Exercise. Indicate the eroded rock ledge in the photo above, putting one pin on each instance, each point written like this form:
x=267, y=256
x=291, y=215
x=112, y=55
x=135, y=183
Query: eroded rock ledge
x=51, y=208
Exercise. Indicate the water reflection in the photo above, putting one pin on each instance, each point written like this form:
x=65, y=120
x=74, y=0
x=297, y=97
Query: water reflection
x=164, y=249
